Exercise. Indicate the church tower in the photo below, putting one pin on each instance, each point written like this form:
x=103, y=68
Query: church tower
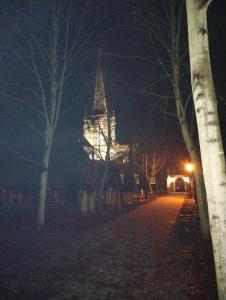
x=95, y=128
x=99, y=103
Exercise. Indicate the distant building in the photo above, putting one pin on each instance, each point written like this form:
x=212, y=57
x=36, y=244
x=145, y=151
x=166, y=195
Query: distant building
x=178, y=183
x=95, y=126
x=123, y=175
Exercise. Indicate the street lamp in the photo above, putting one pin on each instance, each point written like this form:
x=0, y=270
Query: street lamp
x=189, y=167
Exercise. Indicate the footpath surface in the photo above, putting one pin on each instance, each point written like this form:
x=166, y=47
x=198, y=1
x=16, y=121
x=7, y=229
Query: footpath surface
x=134, y=256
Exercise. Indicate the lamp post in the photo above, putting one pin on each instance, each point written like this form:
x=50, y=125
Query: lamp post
x=189, y=168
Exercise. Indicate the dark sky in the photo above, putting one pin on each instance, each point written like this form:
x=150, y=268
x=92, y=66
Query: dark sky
x=127, y=72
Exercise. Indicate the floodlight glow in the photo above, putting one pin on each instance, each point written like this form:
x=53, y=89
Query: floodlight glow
x=189, y=167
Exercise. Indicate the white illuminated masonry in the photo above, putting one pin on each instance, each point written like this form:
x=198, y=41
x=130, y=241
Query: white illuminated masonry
x=95, y=127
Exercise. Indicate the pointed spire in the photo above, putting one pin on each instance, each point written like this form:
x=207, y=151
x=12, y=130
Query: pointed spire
x=99, y=104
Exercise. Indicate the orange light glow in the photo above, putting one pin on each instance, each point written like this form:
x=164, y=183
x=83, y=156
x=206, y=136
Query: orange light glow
x=189, y=167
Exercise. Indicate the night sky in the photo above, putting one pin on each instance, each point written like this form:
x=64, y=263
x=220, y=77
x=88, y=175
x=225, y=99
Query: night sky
x=135, y=86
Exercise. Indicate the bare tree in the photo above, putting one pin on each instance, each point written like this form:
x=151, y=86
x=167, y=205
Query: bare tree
x=154, y=162
x=108, y=140
x=149, y=162
x=100, y=132
x=212, y=152
x=164, y=35
x=52, y=52
x=176, y=59
x=106, y=150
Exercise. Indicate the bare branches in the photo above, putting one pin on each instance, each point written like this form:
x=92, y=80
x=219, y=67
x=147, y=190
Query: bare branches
x=17, y=100
x=20, y=155
x=62, y=77
x=25, y=121
x=151, y=93
x=149, y=162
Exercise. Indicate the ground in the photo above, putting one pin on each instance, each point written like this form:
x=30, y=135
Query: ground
x=146, y=252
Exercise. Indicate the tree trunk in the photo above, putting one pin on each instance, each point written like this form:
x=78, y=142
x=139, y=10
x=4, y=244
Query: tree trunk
x=198, y=176
x=43, y=186
x=148, y=177
x=193, y=153
x=102, y=184
x=201, y=196
x=187, y=137
x=107, y=157
x=212, y=153
x=83, y=202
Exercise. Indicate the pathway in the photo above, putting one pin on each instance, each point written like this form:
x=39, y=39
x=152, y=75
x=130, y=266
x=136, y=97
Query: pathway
x=130, y=257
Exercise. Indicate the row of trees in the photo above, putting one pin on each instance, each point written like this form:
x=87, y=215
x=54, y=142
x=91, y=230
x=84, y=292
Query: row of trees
x=213, y=166
x=49, y=46
x=48, y=43
x=52, y=49
x=164, y=30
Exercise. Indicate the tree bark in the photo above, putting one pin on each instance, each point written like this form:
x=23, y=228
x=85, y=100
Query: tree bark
x=212, y=153
x=44, y=185
x=187, y=137
x=198, y=176
x=107, y=157
x=200, y=194
x=56, y=86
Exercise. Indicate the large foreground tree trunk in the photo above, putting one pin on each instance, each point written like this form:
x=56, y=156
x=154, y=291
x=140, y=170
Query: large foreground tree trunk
x=194, y=156
x=212, y=152
x=200, y=194
x=185, y=130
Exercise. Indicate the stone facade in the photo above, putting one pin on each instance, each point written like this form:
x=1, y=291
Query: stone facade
x=95, y=126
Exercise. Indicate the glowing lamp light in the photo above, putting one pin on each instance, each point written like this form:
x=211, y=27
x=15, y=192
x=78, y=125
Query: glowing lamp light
x=189, y=167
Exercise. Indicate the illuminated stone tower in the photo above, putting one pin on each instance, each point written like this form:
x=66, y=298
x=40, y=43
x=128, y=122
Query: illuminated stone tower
x=95, y=127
